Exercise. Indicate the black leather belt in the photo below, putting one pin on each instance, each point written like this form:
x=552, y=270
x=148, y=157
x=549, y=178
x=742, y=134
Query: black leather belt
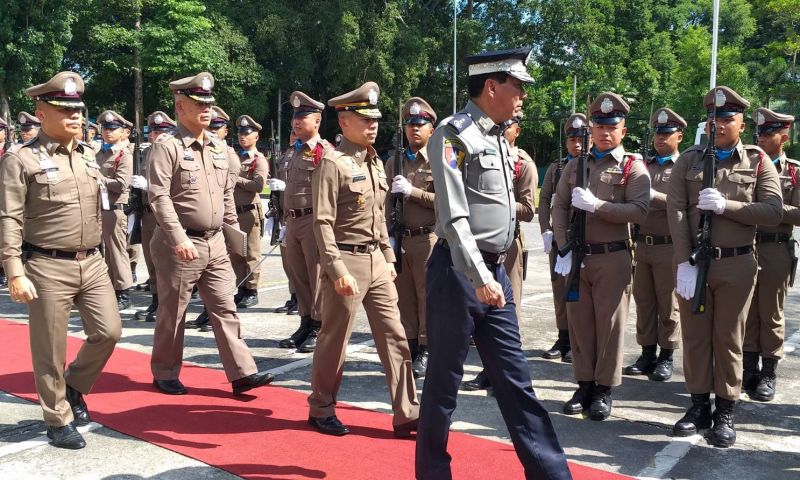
x=245, y=208
x=488, y=257
x=366, y=248
x=413, y=232
x=610, y=247
x=721, y=252
x=764, y=237
x=117, y=206
x=654, y=239
x=299, y=212
x=60, y=253
x=204, y=234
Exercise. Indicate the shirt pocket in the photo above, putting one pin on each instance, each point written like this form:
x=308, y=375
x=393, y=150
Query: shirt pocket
x=55, y=188
x=189, y=174
x=740, y=187
x=610, y=188
x=356, y=199
x=694, y=183
x=490, y=176
x=221, y=168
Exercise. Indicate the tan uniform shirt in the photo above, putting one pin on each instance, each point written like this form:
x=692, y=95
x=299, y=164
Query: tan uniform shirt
x=116, y=165
x=299, y=169
x=526, y=179
x=620, y=200
x=753, y=193
x=190, y=184
x=253, y=172
x=656, y=222
x=349, y=190
x=547, y=194
x=49, y=199
x=418, y=208
x=789, y=176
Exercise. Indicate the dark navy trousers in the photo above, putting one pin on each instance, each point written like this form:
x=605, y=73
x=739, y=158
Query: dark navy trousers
x=454, y=313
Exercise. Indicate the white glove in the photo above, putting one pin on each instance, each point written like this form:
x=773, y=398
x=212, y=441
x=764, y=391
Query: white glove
x=138, y=181
x=563, y=264
x=269, y=226
x=686, y=281
x=277, y=185
x=282, y=233
x=400, y=184
x=584, y=199
x=652, y=194
x=711, y=199
x=547, y=239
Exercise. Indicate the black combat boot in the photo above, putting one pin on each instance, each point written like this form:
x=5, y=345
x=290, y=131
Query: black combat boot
x=420, y=364
x=237, y=298
x=765, y=390
x=310, y=343
x=413, y=347
x=249, y=299
x=722, y=434
x=123, y=300
x=580, y=400
x=750, y=372
x=151, y=310
x=480, y=382
x=299, y=336
x=286, y=306
x=697, y=417
x=560, y=348
x=600, y=409
x=663, y=370
x=646, y=362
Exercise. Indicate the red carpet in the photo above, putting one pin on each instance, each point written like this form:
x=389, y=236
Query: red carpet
x=260, y=436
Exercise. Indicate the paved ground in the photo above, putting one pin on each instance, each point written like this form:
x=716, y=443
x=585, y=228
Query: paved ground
x=634, y=441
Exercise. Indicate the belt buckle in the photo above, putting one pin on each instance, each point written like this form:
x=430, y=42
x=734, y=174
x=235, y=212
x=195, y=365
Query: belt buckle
x=587, y=250
x=649, y=240
x=292, y=213
x=81, y=255
x=717, y=252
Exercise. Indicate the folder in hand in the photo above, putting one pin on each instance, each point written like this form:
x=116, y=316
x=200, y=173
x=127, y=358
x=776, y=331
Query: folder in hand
x=236, y=239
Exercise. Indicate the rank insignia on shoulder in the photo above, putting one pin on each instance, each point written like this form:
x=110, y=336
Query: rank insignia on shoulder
x=454, y=153
x=461, y=121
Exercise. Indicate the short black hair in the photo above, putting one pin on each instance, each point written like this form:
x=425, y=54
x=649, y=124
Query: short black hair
x=475, y=83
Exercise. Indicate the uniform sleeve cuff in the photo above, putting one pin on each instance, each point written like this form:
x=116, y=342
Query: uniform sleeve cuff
x=416, y=193
x=339, y=270
x=388, y=254
x=14, y=268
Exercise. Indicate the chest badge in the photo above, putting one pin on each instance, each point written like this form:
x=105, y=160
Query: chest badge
x=361, y=201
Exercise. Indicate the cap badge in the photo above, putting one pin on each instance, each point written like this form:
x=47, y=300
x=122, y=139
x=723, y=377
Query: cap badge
x=607, y=106
x=760, y=120
x=663, y=117
x=577, y=123
x=415, y=109
x=206, y=84
x=244, y=123
x=109, y=118
x=373, y=96
x=158, y=119
x=70, y=87
x=21, y=118
x=214, y=114
x=720, y=99
x=296, y=102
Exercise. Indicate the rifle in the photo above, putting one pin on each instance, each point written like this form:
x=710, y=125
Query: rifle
x=397, y=228
x=556, y=179
x=135, y=200
x=86, y=138
x=576, y=232
x=645, y=152
x=704, y=252
x=275, y=211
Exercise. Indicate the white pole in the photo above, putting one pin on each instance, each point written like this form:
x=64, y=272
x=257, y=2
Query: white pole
x=714, y=35
x=455, y=58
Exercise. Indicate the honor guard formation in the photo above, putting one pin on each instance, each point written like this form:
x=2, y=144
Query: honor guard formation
x=429, y=242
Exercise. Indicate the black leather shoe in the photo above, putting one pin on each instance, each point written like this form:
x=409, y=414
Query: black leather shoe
x=299, y=335
x=405, y=430
x=567, y=357
x=252, y=381
x=198, y=322
x=645, y=364
x=151, y=309
x=723, y=434
x=293, y=309
x=559, y=348
x=66, y=437
x=697, y=417
x=151, y=317
x=600, y=409
x=170, y=387
x=310, y=343
x=195, y=293
x=580, y=400
x=79, y=409
x=663, y=370
x=329, y=425
x=123, y=300
x=481, y=382
x=285, y=308
x=249, y=299
x=143, y=287
x=765, y=389
x=420, y=364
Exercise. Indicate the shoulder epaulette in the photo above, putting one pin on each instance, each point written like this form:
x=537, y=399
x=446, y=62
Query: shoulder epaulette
x=460, y=121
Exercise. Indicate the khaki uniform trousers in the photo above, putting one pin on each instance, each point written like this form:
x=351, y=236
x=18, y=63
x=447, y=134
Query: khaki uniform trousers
x=302, y=265
x=597, y=320
x=657, y=315
x=149, y=225
x=284, y=263
x=513, y=264
x=712, y=341
x=115, y=241
x=60, y=283
x=411, y=288
x=213, y=276
x=379, y=298
x=764, y=330
x=249, y=223
x=559, y=291
x=134, y=253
